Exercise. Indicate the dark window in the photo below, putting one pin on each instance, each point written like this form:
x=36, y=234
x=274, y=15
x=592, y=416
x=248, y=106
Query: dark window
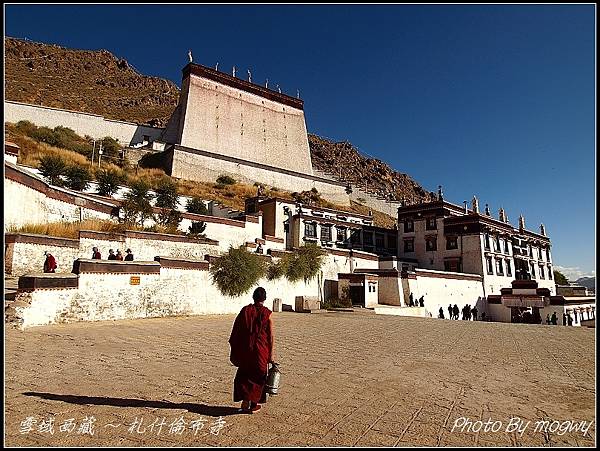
x=326, y=232
x=490, y=267
x=542, y=275
x=451, y=242
x=549, y=273
x=532, y=270
x=341, y=233
x=409, y=245
x=367, y=238
x=310, y=230
x=497, y=244
x=547, y=254
x=430, y=224
x=147, y=138
x=486, y=241
x=453, y=265
x=392, y=241
x=506, y=251
x=499, y=269
x=409, y=226
x=431, y=243
x=508, y=268
x=530, y=251
x=355, y=236
x=379, y=241
x=540, y=254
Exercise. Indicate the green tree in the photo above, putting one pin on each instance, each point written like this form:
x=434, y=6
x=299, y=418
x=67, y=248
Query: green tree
x=236, y=272
x=110, y=147
x=26, y=127
x=559, y=278
x=166, y=193
x=45, y=135
x=225, y=180
x=137, y=207
x=302, y=264
x=167, y=200
x=197, y=228
x=78, y=178
x=108, y=181
x=52, y=167
x=196, y=205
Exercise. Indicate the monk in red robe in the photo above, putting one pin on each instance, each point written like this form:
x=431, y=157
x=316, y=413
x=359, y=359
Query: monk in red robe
x=251, y=343
x=50, y=263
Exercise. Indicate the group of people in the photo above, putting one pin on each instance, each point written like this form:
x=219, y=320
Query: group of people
x=418, y=303
x=50, y=264
x=112, y=256
x=468, y=313
x=567, y=319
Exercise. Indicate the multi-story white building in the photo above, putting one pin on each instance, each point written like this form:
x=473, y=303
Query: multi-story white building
x=442, y=236
x=295, y=225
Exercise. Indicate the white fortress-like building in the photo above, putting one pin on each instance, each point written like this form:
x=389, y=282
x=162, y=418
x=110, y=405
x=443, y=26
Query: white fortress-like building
x=223, y=125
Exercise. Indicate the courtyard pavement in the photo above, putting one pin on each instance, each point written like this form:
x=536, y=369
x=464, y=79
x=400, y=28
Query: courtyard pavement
x=349, y=378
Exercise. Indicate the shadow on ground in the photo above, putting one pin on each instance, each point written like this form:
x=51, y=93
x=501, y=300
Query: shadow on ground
x=202, y=409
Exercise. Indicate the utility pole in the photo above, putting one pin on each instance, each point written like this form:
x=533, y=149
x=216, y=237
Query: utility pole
x=93, y=152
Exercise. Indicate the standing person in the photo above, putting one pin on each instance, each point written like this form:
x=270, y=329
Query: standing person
x=129, y=256
x=564, y=319
x=422, y=301
x=251, y=343
x=111, y=255
x=119, y=255
x=441, y=315
x=548, y=318
x=554, y=319
x=50, y=263
x=96, y=254
x=474, y=313
x=450, y=311
x=569, y=320
x=411, y=300
x=455, y=310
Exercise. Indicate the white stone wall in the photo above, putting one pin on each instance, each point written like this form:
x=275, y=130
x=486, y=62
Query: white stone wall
x=24, y=205
x=229, y=121
x=30, y=258
x=146, y=249
x=442, y=291
x=127, y=133
x=228, y=235
x=173, y=292
x=203, y=168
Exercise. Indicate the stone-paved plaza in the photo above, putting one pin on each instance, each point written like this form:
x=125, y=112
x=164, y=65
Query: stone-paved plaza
x=349, y=378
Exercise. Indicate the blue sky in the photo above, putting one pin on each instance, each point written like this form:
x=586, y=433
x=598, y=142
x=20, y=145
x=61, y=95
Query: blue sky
x=492, y=100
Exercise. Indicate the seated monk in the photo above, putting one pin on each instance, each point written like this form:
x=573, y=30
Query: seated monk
x=251, y=343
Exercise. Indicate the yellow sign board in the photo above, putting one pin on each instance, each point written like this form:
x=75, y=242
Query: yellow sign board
x=134, y=280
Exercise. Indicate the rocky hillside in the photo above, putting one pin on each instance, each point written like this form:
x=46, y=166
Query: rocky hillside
x=98, y=82
x=343, y=160
x=84, y=80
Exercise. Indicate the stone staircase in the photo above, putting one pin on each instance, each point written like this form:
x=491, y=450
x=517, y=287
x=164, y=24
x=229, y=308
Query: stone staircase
x=359, y=195
x=10, y=291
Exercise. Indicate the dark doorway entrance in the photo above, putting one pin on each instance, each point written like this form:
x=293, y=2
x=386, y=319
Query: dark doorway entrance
x=357, y=295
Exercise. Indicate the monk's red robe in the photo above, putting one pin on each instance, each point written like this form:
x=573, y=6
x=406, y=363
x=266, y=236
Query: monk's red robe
x=250, y=342
x=50, y=264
